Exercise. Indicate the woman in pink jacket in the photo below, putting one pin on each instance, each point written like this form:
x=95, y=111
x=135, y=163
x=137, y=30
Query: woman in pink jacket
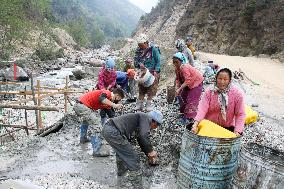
x=223, y=104
x=107, y=76
x=189, y=83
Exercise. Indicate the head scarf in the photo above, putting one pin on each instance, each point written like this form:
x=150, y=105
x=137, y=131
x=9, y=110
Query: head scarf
x=181, y=57
x=109, y=64
x=128, y=61
x=189, y=38
x=180, y=45
x=142, y=38
x=223, y=95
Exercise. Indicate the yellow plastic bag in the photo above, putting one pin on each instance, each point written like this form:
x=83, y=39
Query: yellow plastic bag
x=251, y=115
x=210, y=129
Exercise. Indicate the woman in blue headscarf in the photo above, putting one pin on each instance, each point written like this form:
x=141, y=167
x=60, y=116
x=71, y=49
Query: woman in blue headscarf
x=189, y=87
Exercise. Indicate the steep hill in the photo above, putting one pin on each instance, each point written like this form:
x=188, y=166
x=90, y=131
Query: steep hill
x=120, y=14
x=27, y=23
x=243, y=27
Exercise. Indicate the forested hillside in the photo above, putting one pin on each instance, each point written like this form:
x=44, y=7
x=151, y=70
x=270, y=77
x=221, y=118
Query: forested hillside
x=89, y=22
x=243, y=27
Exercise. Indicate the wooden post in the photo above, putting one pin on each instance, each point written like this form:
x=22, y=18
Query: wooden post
x=35, y=102
x=65, y=94
x=39, y=103
x=26, y=114
x=15, y=71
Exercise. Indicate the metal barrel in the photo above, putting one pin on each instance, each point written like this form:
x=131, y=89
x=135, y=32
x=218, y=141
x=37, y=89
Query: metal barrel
x=207, y=163
x=260, y=167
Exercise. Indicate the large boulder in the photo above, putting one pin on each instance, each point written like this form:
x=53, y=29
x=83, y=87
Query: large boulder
x=8, y=74
x=96, y=62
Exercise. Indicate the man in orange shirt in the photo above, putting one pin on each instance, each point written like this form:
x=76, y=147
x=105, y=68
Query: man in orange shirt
x=103, y=100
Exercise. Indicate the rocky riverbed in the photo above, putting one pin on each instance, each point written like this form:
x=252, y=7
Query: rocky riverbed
x=59, y=161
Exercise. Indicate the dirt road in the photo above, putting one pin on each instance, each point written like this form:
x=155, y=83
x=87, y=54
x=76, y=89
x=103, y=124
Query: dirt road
x=268, y=73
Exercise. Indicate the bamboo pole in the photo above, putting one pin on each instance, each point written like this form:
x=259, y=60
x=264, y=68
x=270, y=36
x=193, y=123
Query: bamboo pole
x=35, y=102
x=65, y=94
x=39, y=104
x=17, y=126
x=10, y=83
x=26, y=114
x=44, y=96
x=10, y=133
x=30, y=107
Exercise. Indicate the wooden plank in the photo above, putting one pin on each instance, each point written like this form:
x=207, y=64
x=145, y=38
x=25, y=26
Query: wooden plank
x=11, y=83
x=44, y=96
x=51, y=88
x=65, y=94
x=39, y=104
x=24, y=92
x=30, y=107
x=35, y=101
x=9, y=133
x=26, y=114
x=18, y=126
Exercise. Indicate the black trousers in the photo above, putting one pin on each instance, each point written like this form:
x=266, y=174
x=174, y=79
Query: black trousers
x=107, y=112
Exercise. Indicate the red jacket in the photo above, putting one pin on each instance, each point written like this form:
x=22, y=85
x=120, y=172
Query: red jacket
x=91, y=99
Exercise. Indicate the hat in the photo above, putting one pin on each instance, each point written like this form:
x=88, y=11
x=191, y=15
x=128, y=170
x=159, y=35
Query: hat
x=188, y=38
x=110, y=63
x=180, y=44
x=142, y=38
x=157, y=116
x=129, y=60
x=131, y=73
x=181, y=57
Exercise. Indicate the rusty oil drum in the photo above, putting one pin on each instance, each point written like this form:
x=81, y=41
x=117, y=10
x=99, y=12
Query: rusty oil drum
x=170, y=93
x=207, y=163
x=260, y=167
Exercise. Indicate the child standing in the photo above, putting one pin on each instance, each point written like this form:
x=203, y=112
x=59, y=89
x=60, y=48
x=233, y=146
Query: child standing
x=130, y=70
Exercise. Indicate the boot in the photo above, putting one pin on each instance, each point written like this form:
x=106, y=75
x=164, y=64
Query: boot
x=139, y=105
x=121, y=168
x=96, y=145
x=103, y=121
x=149, y=106
x=83, y=134
x=135, y=178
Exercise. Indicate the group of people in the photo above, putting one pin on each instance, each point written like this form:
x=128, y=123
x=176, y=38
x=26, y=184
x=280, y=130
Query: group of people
x=222, y=103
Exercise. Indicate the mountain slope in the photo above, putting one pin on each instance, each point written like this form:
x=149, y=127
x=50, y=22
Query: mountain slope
x=89, y=22
x=243, y=27
x=123, y=15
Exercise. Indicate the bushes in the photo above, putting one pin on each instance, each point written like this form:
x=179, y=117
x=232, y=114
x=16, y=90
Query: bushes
x=253, y=5
x=47, y=53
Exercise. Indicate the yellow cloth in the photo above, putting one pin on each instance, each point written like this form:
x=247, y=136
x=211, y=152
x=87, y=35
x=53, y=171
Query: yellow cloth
x=251, y=115
x=192, y=49
x=210, y=129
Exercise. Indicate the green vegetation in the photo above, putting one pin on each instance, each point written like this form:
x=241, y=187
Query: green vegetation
x=253, y=5
x=89, y=22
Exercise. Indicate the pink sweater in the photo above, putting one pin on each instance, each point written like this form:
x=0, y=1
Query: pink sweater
x=188, y=74
x=106, y=78
x=209, y=108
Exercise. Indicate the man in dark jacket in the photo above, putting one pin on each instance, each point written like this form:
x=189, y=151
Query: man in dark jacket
x=118, y=133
